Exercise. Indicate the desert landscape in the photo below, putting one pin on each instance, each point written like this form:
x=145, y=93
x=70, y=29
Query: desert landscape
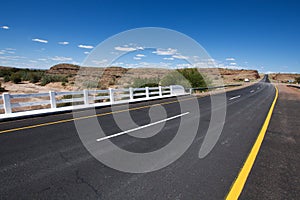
x=75, y=77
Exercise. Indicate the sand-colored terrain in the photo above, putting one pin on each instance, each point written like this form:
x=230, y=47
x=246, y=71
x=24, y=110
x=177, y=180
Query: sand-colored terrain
x=283, y=77
x=118, y=77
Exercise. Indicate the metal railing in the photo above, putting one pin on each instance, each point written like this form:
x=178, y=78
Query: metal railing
x=212, y=87
x=58, y=100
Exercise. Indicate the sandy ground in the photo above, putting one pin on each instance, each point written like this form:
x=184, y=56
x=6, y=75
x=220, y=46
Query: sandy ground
x=26, y=87
x=288, y=93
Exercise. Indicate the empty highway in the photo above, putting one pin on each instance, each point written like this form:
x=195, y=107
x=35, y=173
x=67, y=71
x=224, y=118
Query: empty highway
x=43, y=157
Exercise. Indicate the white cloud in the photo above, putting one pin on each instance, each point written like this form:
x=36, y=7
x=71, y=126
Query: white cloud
x=148, y=65
x=233, y=63
x=184, y=65
x=39, y=40
x=230, y=59
x=42, y=59
x=178, y=56
x=140, y=55
x=137, y=58
x=10, y=49
x=127, y=48
x=15, y=58
x=118, y=63
x=33, y=61
x=61, y=58
x=4, y=27
x=169, y=58
x=86, y=52
x=63, y=43
x=1, y=52
x=100, y=62
x=165, y=52
x=83, y=46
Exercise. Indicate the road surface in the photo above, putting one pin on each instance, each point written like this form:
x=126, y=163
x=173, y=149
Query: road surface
x=276, y=172
x=43, y=157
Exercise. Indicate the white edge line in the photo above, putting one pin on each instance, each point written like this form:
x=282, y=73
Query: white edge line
x=235, y=97
x=251, y=91
x=141, y=127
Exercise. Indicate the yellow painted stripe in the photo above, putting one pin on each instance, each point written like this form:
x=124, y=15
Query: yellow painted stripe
x=241, y=179
x=90, y=116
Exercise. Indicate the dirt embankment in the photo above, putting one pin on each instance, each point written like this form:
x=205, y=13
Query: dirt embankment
x=231, y=75
x=283, y=77
x=118, y=76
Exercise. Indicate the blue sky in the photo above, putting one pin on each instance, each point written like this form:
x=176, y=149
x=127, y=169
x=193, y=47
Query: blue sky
x=262, y=35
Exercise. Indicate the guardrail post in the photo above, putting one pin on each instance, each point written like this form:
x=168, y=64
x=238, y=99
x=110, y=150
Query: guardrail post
x=131, y=93
x=160, y=91
x=6, y=103
x=147, y=92
x=52, y=99
x=191, y=90
x=86, y=97
x=111, y=95
x=171, y=90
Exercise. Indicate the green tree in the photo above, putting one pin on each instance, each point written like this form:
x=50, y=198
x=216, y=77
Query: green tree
x=187, y=77
x=175, y=78
x=297, y=79
x=194, y=77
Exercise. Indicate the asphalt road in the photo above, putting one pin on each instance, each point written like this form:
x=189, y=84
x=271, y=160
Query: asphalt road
x=276, y=172
x=44, y=158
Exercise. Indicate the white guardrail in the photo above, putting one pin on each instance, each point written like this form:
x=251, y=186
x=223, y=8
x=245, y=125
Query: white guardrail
x=58, y=101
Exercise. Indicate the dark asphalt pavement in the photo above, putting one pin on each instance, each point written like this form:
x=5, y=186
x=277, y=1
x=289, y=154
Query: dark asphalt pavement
x=50, y=161
x=276, y=172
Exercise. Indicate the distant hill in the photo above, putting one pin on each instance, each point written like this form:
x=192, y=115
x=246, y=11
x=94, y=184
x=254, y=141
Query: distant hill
x=283, y=77
x=73, y=77
x=119, y=76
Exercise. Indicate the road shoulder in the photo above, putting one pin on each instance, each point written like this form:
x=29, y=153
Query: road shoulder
x=275, y=174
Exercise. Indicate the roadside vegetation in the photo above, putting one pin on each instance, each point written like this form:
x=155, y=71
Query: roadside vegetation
x=187, y=77
x=297, y=79
x=2, y=89
x=32, y=75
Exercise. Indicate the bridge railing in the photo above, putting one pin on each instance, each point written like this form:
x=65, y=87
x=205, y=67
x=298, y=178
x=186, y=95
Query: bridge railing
x=191, y=90
x=15, y=103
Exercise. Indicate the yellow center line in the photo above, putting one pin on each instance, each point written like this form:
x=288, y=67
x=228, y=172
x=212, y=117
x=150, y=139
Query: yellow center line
x=91, y=116
x=239, y=183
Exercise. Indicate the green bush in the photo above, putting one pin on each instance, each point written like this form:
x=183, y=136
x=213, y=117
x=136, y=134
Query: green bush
x=6, y=78
x=145, y=82
x=15, y=78
x=187, y=77
x=2, y=89
x=194, y=77
x=52, y=78
x=34, y=77
x=90, y=84
x=7, y=71
x=175, y=78
x=297, y=79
